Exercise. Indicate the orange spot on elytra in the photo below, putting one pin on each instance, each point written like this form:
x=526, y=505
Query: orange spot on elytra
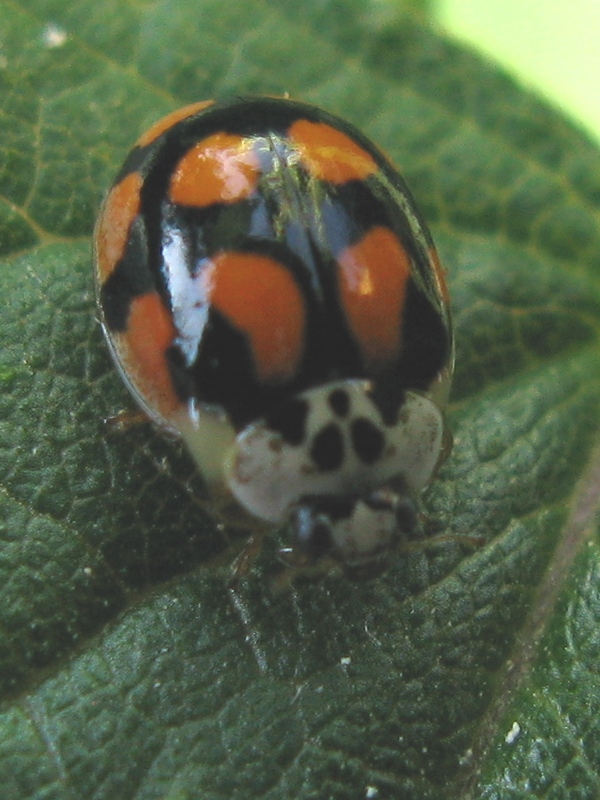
x=329, y=154
x=372, y=277
x=142, y=349
x=260, y=297
x=171, y=119
x=222, y=168
x=120, y=208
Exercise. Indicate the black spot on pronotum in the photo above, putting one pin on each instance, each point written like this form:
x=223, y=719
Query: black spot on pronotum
x=368, y=441
x=339, y=402
x=327, y=450
x=289, y=419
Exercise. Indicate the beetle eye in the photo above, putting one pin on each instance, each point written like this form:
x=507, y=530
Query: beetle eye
x=381, y=500
x=405, y=510
x=312, y=532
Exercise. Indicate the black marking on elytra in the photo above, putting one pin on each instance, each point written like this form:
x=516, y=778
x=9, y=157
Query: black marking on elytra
x=223, y=373
x=426, y=340
x=368, y=441
x=252, y=116
x=218, y=228
x=327, y=450
x=130, y=279
x=136, y=161
x=339, y=402
x=289, y=420
x=388, y=400
x=180, y=376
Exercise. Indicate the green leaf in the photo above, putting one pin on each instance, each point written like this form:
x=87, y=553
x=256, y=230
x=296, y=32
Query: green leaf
x=128, y=668
x=547, y=741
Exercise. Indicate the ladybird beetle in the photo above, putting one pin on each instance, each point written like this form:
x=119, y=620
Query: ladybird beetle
x=270, y=293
